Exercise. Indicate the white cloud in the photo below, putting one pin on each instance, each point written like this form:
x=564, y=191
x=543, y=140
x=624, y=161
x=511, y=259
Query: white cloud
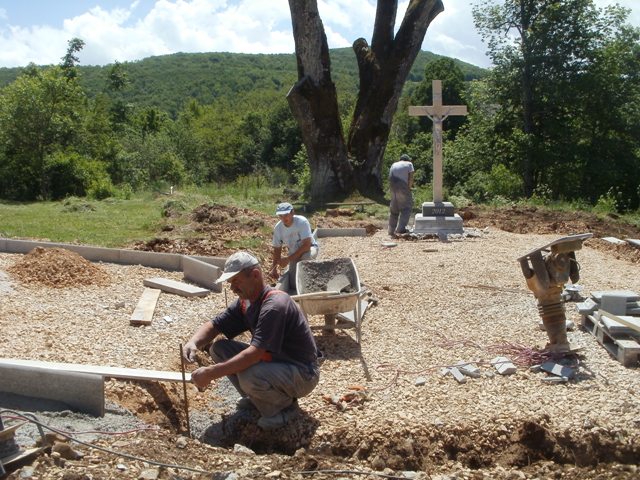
x=256, y=26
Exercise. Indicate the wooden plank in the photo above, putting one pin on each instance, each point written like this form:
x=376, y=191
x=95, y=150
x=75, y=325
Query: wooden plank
x=179, y=288
x=624, y=320
x=143, y=313
x=112, y=372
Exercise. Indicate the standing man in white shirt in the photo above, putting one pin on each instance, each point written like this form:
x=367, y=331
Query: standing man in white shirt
x=400, y=183
x=294, y=231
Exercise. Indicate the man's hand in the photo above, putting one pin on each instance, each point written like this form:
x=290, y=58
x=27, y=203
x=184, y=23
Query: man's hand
x=189, y=352
x=203, y=376
x=273, y=273
x=283, y=262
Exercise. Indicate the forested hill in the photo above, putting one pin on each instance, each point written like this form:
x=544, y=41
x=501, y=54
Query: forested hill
x=167, y=81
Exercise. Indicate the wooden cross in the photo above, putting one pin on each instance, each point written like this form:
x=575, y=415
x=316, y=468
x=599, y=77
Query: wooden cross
x=437, y=113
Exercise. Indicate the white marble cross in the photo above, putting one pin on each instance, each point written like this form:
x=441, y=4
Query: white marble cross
x=437, y=113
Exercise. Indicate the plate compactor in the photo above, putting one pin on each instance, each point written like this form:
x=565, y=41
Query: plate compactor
x=546, y=270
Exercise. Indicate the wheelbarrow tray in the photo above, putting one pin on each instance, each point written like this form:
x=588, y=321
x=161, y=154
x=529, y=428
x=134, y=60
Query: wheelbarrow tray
x=312, y=281
x=327, y=303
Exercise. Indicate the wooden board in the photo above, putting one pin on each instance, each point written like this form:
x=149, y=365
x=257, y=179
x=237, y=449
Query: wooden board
x=112, y=372
x=143, y=313
x=179, y=288
x=625, y=320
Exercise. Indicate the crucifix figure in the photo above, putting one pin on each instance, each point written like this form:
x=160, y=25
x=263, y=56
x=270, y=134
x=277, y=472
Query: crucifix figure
x=437, y=113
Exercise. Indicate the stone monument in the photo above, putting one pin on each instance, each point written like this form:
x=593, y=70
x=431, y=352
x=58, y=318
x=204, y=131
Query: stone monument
x=437, y=217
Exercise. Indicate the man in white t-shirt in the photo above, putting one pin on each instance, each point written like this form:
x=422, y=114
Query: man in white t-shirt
x=294, y=232
x=400, y=183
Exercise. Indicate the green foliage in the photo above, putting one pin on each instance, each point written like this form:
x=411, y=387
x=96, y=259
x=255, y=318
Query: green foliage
x=567, y=95
x=39, y=114
x=69, y=61
x=504, y=183
x=71, y=174
x=608, y=203
x=302, y=172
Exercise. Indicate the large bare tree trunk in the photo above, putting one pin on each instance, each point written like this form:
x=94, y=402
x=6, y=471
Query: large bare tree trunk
x=383, y=69
x=313, y=101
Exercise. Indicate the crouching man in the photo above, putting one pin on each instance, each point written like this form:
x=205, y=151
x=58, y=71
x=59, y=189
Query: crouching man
x=280, y=363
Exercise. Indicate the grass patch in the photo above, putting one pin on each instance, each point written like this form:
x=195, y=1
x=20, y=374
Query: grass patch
x=108, y=223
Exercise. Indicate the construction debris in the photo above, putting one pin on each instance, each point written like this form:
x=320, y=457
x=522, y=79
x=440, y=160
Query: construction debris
x=504, y=366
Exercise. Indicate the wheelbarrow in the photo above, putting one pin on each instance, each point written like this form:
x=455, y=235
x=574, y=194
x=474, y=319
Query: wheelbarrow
x=330, y=288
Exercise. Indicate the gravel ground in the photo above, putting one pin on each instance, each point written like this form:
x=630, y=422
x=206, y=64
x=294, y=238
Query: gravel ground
x=381, y=406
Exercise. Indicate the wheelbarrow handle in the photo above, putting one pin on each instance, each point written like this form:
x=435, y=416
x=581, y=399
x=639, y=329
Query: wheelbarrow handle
x=314, y=294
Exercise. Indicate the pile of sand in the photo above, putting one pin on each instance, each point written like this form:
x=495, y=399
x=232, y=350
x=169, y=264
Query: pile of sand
x=58, y=268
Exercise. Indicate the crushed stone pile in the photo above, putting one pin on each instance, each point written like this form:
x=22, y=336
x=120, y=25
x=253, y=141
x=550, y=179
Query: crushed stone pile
x=57, y=268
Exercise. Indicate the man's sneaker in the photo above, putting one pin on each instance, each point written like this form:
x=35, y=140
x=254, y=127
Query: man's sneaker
x=280, y=419
x=245, y=404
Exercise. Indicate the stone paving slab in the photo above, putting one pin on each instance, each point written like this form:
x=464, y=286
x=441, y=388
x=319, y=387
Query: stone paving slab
x=178, y=288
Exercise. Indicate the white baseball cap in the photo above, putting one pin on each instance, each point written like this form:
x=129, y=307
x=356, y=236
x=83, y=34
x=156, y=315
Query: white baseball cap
x=284, y=208
x=236, y=263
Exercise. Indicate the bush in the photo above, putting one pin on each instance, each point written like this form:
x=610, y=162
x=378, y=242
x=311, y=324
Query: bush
x=607, y=203
x=71, y=174
x=504, y=183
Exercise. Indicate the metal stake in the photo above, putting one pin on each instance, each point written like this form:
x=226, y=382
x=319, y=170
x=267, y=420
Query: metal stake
x=184, y=389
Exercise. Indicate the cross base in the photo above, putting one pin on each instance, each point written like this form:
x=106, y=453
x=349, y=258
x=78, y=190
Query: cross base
x=438, y=218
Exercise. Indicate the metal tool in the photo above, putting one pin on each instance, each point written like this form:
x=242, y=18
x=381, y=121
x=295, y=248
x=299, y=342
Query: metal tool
x=184, y=390
x=546, y=270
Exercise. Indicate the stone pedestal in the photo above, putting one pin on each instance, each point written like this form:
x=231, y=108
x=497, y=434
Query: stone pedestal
x=438, y=218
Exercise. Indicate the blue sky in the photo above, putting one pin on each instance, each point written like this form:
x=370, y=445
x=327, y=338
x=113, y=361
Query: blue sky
x=127, y=30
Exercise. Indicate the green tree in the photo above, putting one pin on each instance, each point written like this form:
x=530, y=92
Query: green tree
x=546, y=54
x=70, y=60
x=40, y=113
x=444, y=69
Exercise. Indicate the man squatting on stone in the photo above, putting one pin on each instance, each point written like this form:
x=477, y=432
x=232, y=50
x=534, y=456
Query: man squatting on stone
x=278, y=366
x=400, y=183
x=294, y=231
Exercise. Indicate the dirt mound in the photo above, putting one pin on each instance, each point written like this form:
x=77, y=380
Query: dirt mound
x=217, y=230
x=58, y=268
x=542, y=221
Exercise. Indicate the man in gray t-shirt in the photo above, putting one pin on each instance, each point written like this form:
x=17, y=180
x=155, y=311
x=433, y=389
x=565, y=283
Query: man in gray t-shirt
x=280, y=362
x=400, y=183
x=294, y=232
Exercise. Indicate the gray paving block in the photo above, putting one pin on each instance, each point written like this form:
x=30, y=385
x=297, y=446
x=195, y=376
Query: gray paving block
x=201, y=273
x=217, y=261
x=468, y=369
x=558, y=369
x=587, y=307
x=341, y=232
x=633, y=241
x=615, y=327
x=172, y=286
x=614, y=240
x=503, y=365
x=613, y=303
x=457, y=374
x=82, y=392
x=165, y=261
x=96, y=254
x=631, y=296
